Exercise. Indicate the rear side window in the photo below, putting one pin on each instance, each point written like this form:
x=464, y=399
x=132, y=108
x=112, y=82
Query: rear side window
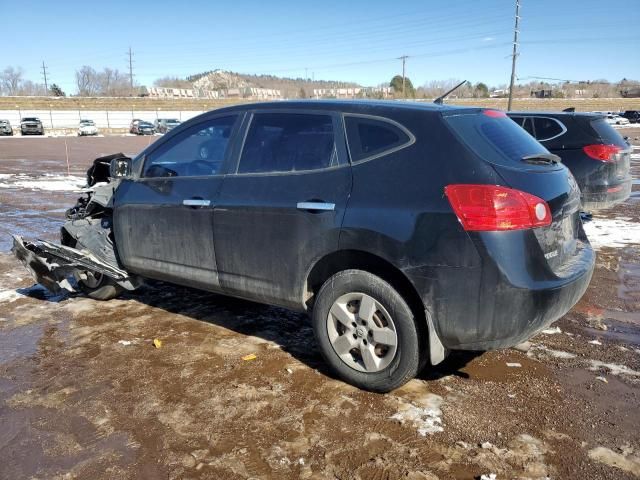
x=494, y=138
x=548, y=128
x=607, y=133
x=369, y=137
x=288, y=142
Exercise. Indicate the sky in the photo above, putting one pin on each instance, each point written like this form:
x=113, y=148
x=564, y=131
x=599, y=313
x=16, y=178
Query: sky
x=354, y=40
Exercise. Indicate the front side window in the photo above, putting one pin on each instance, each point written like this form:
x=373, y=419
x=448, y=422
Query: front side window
x=197, y=151
x=288, y=142
x=369, y=137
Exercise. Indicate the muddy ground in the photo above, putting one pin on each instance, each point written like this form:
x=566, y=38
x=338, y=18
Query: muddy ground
x=85, y=394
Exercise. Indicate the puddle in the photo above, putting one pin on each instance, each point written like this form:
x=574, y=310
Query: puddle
x=621, y=331
x=20, y=342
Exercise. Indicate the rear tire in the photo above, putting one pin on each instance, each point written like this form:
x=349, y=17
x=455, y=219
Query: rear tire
x=99, y=287
x=366, y=331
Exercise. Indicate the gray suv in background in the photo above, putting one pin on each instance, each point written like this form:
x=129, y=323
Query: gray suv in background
x=31, y=126
x=163, y=125
x=5, y=128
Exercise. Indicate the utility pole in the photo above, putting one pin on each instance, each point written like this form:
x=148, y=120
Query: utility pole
x=131, y=70
x=404, y=59
x=514, y=55
x=44, y=74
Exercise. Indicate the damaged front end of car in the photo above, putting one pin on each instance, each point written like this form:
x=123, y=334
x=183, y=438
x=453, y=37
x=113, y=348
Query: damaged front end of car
x=87, y=249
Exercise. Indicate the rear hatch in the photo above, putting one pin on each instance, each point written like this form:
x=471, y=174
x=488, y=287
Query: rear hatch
x=527, y=166
x=619, y=161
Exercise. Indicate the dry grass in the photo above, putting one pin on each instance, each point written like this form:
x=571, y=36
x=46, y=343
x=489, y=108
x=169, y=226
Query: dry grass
x=140, y=103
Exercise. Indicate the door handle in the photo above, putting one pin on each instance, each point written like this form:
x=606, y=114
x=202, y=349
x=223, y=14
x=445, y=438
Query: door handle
x=196, y=202
x=316, y=206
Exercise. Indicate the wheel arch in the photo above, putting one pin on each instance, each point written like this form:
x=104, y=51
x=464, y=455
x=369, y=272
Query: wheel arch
x=337, y=261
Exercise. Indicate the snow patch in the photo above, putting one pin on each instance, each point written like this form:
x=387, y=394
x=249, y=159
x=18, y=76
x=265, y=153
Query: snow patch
x=551, y=331
x=612, y=232
x=425, y=417
x=630, y=463
x=613, y=368
x=550, y=352
x=7, y=296
x=47, y=182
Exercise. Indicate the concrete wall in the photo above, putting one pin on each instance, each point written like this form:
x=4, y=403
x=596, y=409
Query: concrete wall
x=103, y=118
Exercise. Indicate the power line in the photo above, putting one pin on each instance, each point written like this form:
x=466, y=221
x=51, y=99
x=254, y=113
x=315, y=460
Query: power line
x=514, y=55
x=44, y=74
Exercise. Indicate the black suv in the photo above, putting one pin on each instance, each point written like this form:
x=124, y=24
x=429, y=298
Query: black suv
x=593, y=150
x=632, y=115
x=31, y=126
x=407, y=230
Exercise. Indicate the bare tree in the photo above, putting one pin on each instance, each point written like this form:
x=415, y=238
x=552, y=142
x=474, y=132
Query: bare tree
x=30, y=89
x=112, y=83
x=87, y=81
x=11, y=80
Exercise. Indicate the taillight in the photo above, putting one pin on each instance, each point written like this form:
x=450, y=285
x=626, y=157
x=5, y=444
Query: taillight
x=494, y=113
x=604, y=153
x=492, y=207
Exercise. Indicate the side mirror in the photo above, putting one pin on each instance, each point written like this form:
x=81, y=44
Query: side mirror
x=120, y=167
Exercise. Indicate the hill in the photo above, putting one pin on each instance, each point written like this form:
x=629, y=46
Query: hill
x=290, y=87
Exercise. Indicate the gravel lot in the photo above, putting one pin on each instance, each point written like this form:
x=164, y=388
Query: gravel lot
x=85, y=394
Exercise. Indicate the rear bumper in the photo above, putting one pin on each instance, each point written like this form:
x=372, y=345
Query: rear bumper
x=606, y=196
x=503, y=301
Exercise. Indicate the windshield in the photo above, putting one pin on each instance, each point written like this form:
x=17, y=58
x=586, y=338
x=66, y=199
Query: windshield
x=86, y=122
x=173, y=121
x=144, y=124
x=495, y=137
x=30, y=119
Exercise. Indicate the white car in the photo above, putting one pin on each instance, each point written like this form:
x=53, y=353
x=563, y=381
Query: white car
x=87, y=127
x=613, y=119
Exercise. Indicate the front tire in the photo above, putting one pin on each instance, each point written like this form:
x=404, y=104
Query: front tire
x=366, y=331
x=99, y=286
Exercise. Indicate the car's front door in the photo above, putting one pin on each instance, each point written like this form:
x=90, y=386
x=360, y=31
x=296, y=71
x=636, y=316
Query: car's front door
x=163, y=218
x=283, y=208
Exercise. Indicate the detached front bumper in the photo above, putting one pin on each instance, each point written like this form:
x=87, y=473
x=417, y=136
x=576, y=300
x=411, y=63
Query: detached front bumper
x=53, y=265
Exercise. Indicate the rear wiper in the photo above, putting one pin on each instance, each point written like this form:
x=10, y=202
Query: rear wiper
x=541, y=159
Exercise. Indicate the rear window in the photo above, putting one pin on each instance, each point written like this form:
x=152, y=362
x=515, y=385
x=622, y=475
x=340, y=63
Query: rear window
x=496, y=139
x=369, y=137
x=607, y=133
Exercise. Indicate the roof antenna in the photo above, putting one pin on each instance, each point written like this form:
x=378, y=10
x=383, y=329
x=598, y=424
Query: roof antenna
x=441, y=98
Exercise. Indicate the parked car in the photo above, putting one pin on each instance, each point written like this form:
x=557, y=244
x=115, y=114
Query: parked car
x=31, y=126
x=5, y=127
x=632, y=115
x=163, y=125
x=134, y=125
x=407, y=230
x=614, y=119
x=87, y=127
x=595, y=152
x=143, y=127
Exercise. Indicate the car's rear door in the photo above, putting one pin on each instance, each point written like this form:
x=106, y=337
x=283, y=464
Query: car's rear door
x=283, y=207
x=163, y=219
